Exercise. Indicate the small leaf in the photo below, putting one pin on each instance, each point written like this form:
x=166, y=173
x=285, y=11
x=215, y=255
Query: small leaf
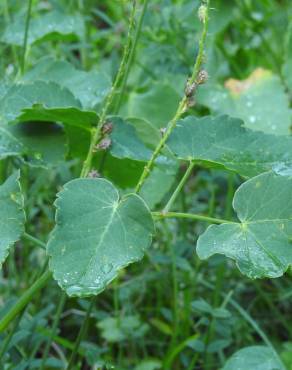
x=12, y=217
x=96, y=235
x=50, y=26
x=255, y=358
x=88, y=87
x=224, y=141
x=261, y=242
x=157, y=105
x=260, y=101
x=44, y=101
x=125, y=142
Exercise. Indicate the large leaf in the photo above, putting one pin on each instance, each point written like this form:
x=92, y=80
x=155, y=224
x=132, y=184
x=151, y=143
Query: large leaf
x=96, y=235
x=49, y=26
x=89, y=87
x=260, y=101
x=254, y=358
x=44, y=101
x=261, y=243
x=224, y=141
x=12, y=215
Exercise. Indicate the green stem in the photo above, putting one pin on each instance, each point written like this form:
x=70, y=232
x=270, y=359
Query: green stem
x=131, y=56
x=24, y=300
x=183, y=105
x=191, y=216
x=96, y=133
x=179, y=187
x=54, y=329
x=81, y=334
x=25, y=38
x=34, y=240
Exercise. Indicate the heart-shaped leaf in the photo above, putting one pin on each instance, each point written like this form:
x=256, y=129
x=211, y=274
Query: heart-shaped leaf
x=96, y=235
x=12, y=215
x=224, y=141
x=261, y=243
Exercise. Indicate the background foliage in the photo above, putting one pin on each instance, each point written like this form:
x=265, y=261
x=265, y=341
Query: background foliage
x=171, y=310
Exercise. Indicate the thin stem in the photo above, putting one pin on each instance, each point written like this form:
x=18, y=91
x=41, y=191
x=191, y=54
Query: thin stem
x=24, y=300
x=191, y=216
x=54, y=329
x=131, y=56
x=96, y=133
x=81, y=334
x=183, y=105
x=34, y=240
x=179, y=187
x=25, y=38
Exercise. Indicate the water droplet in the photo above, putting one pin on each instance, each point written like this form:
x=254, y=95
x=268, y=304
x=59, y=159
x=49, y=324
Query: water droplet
x=74, y=290
x=252, y=119
x=107, y=268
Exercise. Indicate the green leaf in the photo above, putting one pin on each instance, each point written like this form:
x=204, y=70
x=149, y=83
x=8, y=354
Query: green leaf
x=255, y=358
x=224, y=141
x=116, y=330
x=44, y=101
x=147, y=132
x=125, y=142
x=96, y=235
x=50, y=26
x=37, y=144
x=12, y=217
x=42, y=144
x=151, y=364
x=89, y=87
x=261, y=243
x=157, y=105
x=9, y=145
x=260, y=101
